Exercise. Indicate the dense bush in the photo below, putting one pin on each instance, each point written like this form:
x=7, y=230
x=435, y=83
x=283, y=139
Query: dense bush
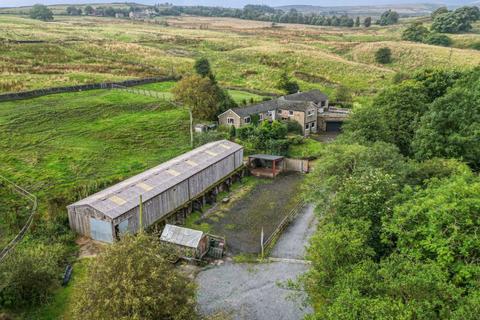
x=30, y=274
x=268, y=137
x=134, y=279
x=287, y=85
x=293, y=126
x=416, y=32
x=438, y=40
x=383, y=55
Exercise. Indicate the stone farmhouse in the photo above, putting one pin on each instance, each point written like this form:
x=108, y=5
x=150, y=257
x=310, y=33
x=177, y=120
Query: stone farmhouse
x=310, y=109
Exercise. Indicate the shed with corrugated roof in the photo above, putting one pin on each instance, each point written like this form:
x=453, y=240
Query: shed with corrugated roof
x=163, y=189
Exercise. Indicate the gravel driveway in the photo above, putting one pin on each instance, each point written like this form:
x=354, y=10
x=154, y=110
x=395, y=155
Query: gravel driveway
x=255, y=291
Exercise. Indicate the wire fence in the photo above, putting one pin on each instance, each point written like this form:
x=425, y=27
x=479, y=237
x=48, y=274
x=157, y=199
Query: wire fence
x=83, y=87
x=268, y=244
x=30, y=197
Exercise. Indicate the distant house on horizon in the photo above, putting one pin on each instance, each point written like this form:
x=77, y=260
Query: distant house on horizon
x=310, y=109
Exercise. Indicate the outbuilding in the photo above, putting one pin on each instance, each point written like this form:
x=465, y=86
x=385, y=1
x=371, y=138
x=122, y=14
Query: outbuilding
x=192, y=243
x=158, y=194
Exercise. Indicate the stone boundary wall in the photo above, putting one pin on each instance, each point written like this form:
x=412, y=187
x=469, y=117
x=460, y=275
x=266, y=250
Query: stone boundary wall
x=75, y=88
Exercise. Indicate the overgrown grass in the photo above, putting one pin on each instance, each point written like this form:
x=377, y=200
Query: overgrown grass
x=90, y=49
x=309, y=148
x=60, y=305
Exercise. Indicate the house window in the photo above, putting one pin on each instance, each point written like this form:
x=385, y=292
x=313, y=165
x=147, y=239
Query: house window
x=312, y=126
x=290, y=113
x=306, y=126
x=310, y=113
x=322, y=103
x=246, y=119
x=261, y=116
x=230, y=120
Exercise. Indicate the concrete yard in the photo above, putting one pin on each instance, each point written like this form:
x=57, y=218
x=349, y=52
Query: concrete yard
x=257, y=291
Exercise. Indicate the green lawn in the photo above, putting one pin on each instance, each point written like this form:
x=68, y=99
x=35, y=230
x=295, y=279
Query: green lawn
x=66, y=145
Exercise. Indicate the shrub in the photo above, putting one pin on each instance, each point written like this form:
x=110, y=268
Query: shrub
x=438, y=40
x=29, y=275
x=296, y=139
x=243, y=133
x=293, y=127
x=233, y=132
x=287, y=85
x=134, y=279
x=383, y=55
x=416, y=32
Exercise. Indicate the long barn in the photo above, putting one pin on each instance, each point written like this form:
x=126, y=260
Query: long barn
x=172, y=186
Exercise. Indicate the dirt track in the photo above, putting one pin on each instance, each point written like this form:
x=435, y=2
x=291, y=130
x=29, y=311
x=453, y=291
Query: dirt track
x=257, y=291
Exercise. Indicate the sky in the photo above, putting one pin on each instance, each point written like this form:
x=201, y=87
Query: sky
x=237, y=3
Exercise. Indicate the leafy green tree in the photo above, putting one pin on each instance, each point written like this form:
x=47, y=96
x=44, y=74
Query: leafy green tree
x=459, y=20
x=383, y=55
x=200, y=95
x=388, y=17
x=401, y=108
x=89, y=10
x=357, y=22
x=451, y=127
x=416, y=32
x=287, y=85
x=439, y=11
x=440, y=224
x=367, y=22
x=74, y=11
x=41, y=12
x=202, y=67
x=134, y=279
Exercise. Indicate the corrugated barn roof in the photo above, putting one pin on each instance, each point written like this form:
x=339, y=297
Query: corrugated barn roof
x=181, y=236
x=124, y=196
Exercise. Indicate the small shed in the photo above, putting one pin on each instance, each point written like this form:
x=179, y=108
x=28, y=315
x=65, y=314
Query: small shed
x=193, y=243
x=265, y=165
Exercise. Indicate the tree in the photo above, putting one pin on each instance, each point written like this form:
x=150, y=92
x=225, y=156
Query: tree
x=459, y=20
x=416, y=32
x=73, y=11
x=383, y=55
x=199, y=94
x=89, y=10
x=367, y=22
x=388, y=17
x=202, y=67
x=357, y=22
x=451, y=127
x=41, y=12
x=439, y=11
x=286, y=84
x=134, y=279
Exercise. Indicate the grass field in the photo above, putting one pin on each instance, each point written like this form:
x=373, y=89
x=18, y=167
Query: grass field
x=250, y=55
x=60, y=145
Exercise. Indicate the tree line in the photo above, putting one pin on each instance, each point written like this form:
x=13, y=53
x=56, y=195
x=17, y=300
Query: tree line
x=398, y=199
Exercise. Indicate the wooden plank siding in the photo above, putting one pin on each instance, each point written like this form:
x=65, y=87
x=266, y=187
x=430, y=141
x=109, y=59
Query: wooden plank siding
x=163, y=204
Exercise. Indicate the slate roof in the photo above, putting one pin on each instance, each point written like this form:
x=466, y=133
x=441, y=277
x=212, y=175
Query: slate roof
x=297, y=102
x=124, y=196
x=181, y=236
x=257, y=108
x=313, y=95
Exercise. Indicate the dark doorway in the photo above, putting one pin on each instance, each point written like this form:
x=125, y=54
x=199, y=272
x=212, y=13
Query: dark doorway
x=334, y=126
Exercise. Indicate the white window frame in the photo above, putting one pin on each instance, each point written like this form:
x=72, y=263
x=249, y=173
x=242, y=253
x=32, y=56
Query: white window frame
x=230, y=120
x=247, y=119
x=260, y=116
x=290, y=113
x=310, y=113
x=312, y=125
